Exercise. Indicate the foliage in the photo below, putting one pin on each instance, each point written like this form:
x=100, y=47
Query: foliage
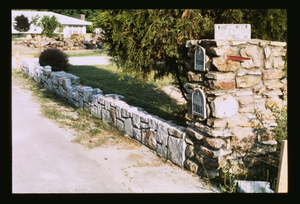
x=22, y=23
x=146, y=40
x=55, y=58
x=48, y=24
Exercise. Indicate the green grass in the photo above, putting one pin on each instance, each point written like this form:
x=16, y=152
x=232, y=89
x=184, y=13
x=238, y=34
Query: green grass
x=84, y=53
x=145, y=95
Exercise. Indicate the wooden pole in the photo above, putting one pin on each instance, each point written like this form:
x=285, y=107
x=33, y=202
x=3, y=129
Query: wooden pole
x=17, y=61
x=282, y=175
x=39, y=46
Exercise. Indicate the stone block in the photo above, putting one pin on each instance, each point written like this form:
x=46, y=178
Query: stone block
x=224, y=106
x=222, y=51
x=212, y=132
x=272, y=74
x=215, y=143
x=149, y=138
x=192, y=166
x=95, y=98
x=194, y=77
x=162, y=133
x=136, y=121
x=243, y=93
x=94, y=110
x=162, y=150
x=273, y=84
x=216, y=123
x=243, y=139
x=99, y=110
x=144, y=125
x=267, y=52
x=176, y=151
x=137, y=134
x=247, y=81
x=194, y=133
x=244, y=100
x=272, y=93
x=66, y=82
x=120, y=125
x=119, y=105
x=220, y=84
x=278, y=63
x=220, y=75
x=154, y=122
x=275, y=43
x=177, y=131
x=224, y=65
x=106, y=116
x=254, y=53
x=128, y=127
x=189, y=151
x=75, y=80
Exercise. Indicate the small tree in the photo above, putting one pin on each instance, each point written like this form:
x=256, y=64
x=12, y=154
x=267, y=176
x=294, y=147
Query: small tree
x=48, y=25
x=22, y=24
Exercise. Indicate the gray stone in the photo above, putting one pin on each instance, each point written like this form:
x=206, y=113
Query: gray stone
x=154, y=122
x=176, y=131
x=224, y=106
x=144, y=125
x=148, y=138
x=189, y=151
x=136, y=121
x=192, y=166
x=95, y=98
x=162, y=133
x=94, y=110
x=194, y=133
x=119, y=105
x=128, y=126
x=75, y=80
x=106, y=116
x=99, y=110
x=176, y=151
x=137, y=134
x=253, y=186
x=162, y=150
x=120, y=125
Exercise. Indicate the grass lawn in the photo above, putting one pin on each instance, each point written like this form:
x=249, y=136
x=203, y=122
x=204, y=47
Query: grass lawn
x=83, y=53
x=144, y=95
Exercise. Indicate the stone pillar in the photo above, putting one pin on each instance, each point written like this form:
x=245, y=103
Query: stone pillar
x=234, y=90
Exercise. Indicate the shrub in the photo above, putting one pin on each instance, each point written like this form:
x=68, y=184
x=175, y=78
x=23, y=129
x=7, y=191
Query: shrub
x=55, y=58
x=22, y=24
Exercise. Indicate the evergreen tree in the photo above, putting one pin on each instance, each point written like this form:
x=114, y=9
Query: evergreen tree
x=153, y=40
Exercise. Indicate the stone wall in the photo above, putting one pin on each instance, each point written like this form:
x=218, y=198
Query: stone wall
x=164, y=137
x=233, y=91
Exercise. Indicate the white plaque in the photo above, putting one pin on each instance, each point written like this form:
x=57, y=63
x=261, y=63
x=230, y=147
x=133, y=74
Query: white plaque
x=232, y=31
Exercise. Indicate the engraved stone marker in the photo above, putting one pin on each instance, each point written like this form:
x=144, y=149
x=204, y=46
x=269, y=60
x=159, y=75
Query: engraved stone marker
x=232, y=31
x=199, y=103
x=199, y=59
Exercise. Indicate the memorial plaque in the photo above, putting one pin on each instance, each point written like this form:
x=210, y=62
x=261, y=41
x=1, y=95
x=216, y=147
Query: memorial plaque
x=232, y=31
x=199, y=58
x=199, y=103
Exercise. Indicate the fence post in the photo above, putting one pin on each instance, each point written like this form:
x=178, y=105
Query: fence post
x=17, y=61
x=282, y=175
x=39, y=46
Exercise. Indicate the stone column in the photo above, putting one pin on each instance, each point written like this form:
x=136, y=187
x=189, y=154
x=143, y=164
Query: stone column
x=235, y=91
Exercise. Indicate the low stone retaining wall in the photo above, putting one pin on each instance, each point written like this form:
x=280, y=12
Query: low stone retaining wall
x=164, y=137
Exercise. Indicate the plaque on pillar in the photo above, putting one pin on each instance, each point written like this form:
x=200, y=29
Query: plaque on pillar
x=199, y=58
x=199, y=103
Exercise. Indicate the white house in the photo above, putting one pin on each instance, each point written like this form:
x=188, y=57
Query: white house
x=70, y=25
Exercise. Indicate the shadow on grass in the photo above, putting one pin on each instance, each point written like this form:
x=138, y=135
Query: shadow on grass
x=107, y=79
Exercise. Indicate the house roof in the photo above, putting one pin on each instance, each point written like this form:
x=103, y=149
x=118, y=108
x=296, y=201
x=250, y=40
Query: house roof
x=65, y=20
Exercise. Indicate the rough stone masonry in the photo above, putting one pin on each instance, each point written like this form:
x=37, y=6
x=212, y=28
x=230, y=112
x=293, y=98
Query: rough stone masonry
x=232, y=91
